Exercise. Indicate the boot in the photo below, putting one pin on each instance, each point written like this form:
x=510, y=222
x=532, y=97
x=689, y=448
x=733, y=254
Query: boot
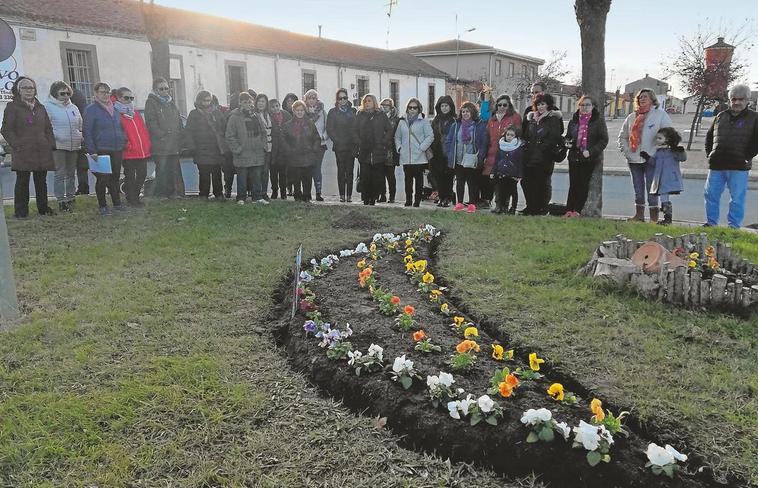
x=654, y=212
x=667, y=213
x=639, y=214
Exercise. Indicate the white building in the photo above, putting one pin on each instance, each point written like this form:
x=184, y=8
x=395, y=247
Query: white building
x=86, y=41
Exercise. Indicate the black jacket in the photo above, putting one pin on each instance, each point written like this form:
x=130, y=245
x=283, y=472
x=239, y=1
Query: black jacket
x=440, y=125
x=202, y=136
x=732, y=140
x=340, y=126
x=597, y=138
x=300, y=151
x=542, y=138
x=374, y=135
x=277, y=154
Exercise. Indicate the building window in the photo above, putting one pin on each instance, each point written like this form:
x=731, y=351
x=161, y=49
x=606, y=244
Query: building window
x=511, y=69
x=498, y=67
x=534, y=72
x=362, y=86
x=236, y=79
x=524, y=71
x=309, y=80
x=176, y=82
x=395, y=91
x=430, y=99
x=80, y=67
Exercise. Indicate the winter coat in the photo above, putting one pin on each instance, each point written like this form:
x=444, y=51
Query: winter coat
x=413, y=141
x=495, y=130
x=509, y=163
x=317, y=115
x=277, y=152
x=481, y=142
x=246, y=139
x=732, y=141
x=102, y=131
x=667, y=177
x=374, y=135
x=300, y=151
x=165, y=125
x=542, y=138
x=655, y=119
x=202, y=136
x=597, y=138
x=67, y=124
x=393, y=158
x=525, y=121
x=340, y=126
x=30, y=135
x=138, y=144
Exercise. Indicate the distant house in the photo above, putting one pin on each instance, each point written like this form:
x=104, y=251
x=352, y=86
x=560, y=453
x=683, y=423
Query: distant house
x=659, y=87
x=466, y=62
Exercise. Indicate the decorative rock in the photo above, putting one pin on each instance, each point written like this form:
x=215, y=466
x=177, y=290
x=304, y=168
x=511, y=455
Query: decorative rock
x=738, y=285
x=663, y=280
x=695, y=278
x=746, y=297
x=718, y=289
x=616, y=270
x=705, y=293
x=609, y=249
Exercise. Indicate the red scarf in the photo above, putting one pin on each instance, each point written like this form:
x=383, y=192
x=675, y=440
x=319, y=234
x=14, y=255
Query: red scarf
x=298, y=127
x=635, y=135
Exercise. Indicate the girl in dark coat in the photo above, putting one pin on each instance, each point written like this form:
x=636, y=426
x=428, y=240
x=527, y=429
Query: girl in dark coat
x=165, y=126
x=301, y=142
x=374, y=136
x=278, y=172
x=586, y=139
x=340, y=126
x=543, y=136
x=667, y=177
x=441, y=173
x=28, y=131
x=203, y=137
x=508, y=169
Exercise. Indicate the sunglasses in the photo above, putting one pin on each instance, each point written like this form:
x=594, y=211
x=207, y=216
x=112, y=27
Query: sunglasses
x=163, y=88
x=502, y=105
x=64, y=94
x=341, y=98
x=412, y=108
x=128, y=98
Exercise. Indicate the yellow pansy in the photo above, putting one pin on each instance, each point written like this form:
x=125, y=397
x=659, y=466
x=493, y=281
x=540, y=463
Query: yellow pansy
x=444, y=308
x=597, y=408
x=435, y=293
x=694, y=255
x=420, y=265
x=692, y=264
x=410, y=250
x=509, y=354
x=458, y=320
x=710, y=251
x=409, y=267
x=470, y=332
x=428, y=278
x=408, y=243
x=497, y=352
x=408, y=259
x=361, y=264
x=534, y=361
x=372, y=247
x=556, y=391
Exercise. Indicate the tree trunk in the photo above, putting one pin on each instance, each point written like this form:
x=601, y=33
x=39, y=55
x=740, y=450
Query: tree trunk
x=698, y=109
x=156, y=31
x=591, y=16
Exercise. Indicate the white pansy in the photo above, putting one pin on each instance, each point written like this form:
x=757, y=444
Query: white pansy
x=346, y=253
x=361, y=248
x=563, y=429
x=605, y=434
x=544, y=414
x=377, y=237
x=446, y=379
x=587, y=436
x=402, y=364
x=485, y=403
x=305, y=277
x=532, y=416
x=376, y=351
x=353, y=355
x=677, y=455
x=432, y=381
x=314, y=262
x=452, y=408
x=659, y=456
x=464, y=405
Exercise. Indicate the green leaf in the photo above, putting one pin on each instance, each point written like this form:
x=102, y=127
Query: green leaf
x=594, y=457
x=357, y=371
x=406, y=381
x=532, y=437
x=669, y=470
x=606, y=458
x=546, y=434
x=475, y=419
x=492, y=420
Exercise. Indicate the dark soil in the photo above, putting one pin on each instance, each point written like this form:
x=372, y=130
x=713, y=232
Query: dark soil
x=356, y=220
x=410, y=413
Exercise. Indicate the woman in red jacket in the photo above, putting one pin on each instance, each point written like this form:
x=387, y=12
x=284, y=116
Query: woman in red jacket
x=138, y=145
x=504, y=117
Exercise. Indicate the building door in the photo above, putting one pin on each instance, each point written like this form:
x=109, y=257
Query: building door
x=430, y=103
x=362, y=87
x=395, y=91
x=235, y=81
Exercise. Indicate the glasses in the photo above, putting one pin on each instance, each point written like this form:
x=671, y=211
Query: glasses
x=26, y=88
x=128, y=99
x=64, y=94
x=103, y=91
x=162, y=88
x=413, y=108
x=502, y=105
x=341, y=98
x=385, y=105
x=585, y=104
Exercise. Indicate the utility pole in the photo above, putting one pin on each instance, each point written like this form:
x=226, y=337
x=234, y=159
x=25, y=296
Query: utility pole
x=392, y=3
x=8, y=299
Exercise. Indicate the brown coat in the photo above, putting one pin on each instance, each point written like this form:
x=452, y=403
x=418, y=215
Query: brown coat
x=30, y=136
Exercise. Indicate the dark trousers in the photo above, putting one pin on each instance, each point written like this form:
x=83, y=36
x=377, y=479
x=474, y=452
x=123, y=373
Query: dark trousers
x=536, y=186
x=301, y=179
x=389, y=183
x=316, y=168
x=414, y=180
x=371, y=180
x=580, y=173
x=135, y=172
x=166, y=168
x=278, y=173
x=486, y=188
x=21, y=192
x=463, y=177
x=345, y=170
x=227, y=167
x=82, y=174
x=443, y=178
x=507, y=192
x=210, y=173
x=109, y=181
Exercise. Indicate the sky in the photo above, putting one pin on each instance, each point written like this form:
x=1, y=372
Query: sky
x=641, y=35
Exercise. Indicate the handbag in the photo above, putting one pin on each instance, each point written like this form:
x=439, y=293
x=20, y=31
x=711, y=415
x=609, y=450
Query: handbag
x=470, y=160
x=428, y=152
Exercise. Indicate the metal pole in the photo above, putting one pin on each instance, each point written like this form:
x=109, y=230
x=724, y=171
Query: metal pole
x=8, y=299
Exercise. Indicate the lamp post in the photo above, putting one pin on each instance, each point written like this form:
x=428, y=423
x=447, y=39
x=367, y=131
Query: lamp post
x=458, y=47
x=8, y=299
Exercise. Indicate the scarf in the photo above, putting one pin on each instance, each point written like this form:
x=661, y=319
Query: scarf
x=125, y=109
x=538, y=116
x=411, y=118
x=314, y=112
x=466, y=126
x=635, y=135
x=298, y=127
x=107, y=106
x=278, y=117
x=584, y=122
x=164, y=98
x=509, y=146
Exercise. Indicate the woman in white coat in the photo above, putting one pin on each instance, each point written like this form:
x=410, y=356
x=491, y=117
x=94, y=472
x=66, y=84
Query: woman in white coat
x=67, y=128
x=413, y=137
x=637, y=135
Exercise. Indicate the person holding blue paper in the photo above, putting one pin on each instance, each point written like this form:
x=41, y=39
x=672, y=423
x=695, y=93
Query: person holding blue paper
x=104, y=136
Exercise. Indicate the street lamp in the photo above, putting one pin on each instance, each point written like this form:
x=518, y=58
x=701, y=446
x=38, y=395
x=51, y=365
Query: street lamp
x=458, y=46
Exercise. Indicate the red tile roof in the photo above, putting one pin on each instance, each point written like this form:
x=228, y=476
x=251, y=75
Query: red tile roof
x=111, y=17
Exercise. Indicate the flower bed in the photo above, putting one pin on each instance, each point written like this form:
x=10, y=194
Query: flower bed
x=375, y=330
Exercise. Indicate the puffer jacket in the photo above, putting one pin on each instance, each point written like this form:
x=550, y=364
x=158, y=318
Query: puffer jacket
x=509, y=163
x=655, y=119
x=67, y=124
x=732, y=141
x=278, y=157
x=542, y=138
x=102, y=131
x=138, y=144
x=667, y=177
x=597, y=138
x=248, y=145
x=374, y=135
x=481, y=142
x=495, y=128
x=29, y=133
x=412, y=141
x=165, y=125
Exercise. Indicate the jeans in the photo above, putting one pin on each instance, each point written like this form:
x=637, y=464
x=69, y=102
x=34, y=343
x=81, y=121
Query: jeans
x=443, y=178
x=210, y=173
x=345, y=169
x=414, y=180
x=64, y=184
x=642, y=177
x=468, y=176
x=135, y=172
x=21, y=192
x=736, y=181
x=317, y=177
x=300, y=178
x=580, y=173
x=389, y=183
x=109, y=181
x=165, y=175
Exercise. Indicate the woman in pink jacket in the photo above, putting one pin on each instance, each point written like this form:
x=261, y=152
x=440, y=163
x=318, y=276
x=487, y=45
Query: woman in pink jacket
x=137, y=150
x=504, y=117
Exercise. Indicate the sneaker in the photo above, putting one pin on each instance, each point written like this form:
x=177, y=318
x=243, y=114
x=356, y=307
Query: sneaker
x=458, y=207
x=471, y=208
x=342, y=199
x=263, y=201
x=240, y=202
x=105, y=211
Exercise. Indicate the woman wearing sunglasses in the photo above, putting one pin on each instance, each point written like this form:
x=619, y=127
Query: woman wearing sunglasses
x=165, y=126
x=67, y=128
x=138, y=146
x=340, y=125
x=413, y=138
x=504, y=117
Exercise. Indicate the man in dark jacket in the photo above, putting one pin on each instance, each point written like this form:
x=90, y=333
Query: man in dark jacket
x=731, y=144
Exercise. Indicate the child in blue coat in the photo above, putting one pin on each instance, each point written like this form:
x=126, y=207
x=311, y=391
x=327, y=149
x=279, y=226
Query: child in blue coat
x=667, y=177
x=508, y=170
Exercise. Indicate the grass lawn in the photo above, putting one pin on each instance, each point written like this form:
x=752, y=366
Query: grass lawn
x=145, y=359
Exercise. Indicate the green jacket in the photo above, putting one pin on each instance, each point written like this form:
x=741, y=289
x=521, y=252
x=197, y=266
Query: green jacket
x=246, y=139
